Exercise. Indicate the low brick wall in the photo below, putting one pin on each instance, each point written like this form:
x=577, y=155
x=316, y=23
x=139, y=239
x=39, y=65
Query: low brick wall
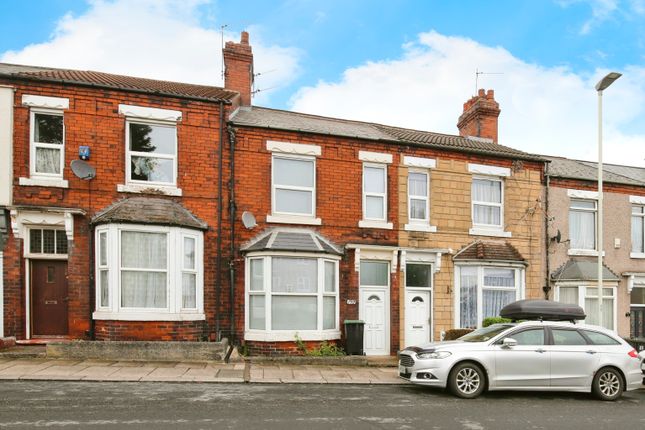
x=7, y=342
x=149, y=351
x=179, y=331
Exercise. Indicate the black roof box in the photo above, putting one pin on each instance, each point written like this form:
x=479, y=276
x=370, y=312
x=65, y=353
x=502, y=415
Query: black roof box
x=545, y=310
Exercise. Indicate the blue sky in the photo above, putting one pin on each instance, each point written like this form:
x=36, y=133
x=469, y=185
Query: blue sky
x=407, y=63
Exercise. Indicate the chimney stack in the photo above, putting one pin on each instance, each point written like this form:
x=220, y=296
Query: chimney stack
x=238, y=68
x=480, y=116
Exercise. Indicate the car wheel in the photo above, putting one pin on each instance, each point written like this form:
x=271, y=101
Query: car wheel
x=467, y=380
x=607, y=384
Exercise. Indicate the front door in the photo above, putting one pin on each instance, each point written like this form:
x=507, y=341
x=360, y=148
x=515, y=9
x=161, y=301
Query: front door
x=417, y=317
x=49, y=297
x=373, y=312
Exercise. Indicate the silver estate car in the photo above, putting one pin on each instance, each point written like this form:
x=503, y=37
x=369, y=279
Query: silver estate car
x=530, y=355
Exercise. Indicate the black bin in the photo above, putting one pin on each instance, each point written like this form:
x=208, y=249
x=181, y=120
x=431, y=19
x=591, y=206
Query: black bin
x=354, y=337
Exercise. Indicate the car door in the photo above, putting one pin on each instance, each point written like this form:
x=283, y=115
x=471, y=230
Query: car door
x=524, y=365
x=573, y=360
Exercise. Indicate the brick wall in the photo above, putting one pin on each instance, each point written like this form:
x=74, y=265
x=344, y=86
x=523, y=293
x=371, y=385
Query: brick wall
x=93, y=120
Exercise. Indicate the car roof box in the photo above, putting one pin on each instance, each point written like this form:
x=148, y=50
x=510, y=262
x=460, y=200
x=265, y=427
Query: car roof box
x=544, y=310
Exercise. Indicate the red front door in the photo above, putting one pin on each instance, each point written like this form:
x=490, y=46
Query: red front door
x=49, y=297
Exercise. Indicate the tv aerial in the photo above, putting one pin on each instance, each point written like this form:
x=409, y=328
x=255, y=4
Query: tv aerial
x=83, y=170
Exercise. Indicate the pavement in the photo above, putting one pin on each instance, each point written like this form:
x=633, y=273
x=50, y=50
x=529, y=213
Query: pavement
x=44, y=369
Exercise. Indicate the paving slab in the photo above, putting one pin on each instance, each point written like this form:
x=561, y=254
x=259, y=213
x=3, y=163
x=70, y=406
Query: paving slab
x=94, y=372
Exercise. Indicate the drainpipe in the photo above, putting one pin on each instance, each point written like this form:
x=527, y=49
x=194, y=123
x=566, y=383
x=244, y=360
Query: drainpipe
x=218, y=263
x=232, y=208
x=547, y=239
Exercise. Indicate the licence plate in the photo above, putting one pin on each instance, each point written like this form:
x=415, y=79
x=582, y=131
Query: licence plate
x=404, y=372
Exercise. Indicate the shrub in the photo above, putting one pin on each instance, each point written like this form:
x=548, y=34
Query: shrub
x=494, y=320
x=456, y=333
x=324, y=349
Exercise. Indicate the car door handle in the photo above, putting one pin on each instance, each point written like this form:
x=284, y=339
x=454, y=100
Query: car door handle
x=540, y=350
x=591, y=352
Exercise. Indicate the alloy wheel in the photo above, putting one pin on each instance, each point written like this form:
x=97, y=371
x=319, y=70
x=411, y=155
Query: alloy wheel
x=609, y=384
x=468, y=380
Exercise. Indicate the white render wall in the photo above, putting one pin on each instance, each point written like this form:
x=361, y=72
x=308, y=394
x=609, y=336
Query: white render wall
x=6, y=145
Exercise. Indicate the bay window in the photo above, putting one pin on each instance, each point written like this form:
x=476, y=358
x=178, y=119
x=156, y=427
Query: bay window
x=289, y=295
x=582, y=224
x=483, y=291
x=587, y=298
x=148, y=273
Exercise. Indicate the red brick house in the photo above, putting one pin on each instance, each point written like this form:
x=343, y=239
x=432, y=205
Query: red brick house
x=208, y=216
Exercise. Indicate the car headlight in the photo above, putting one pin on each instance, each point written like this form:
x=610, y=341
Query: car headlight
x=433, y=355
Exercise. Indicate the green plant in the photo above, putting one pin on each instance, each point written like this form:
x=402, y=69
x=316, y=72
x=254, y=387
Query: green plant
x=456, y=333
x=324, y=349
x=494, y=320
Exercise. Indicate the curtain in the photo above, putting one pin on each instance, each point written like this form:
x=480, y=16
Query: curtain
x=494, y=301
x=591, y=309
x=143, y=288
x=257, y=275
x=569, y=295
x=188, y=291
x=329, y=313
x=257, y=312
x=330, y=277
x=48, y=160
x=375, y=207
x=637, y=233
x=497, y=277
x=105, y=288
x=294, y=275
x=468, y=297
x=417, y=184
x=582, y=229
x=294, y=313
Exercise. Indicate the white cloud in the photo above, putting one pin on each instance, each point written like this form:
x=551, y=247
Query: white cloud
x=159, y=39
x=544, y=110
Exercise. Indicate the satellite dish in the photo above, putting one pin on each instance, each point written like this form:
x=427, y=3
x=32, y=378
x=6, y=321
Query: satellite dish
x=248, y=220
x=557, y=237
x=83, y=170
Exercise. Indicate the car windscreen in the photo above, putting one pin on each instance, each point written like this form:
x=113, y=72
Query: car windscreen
x=485, y=333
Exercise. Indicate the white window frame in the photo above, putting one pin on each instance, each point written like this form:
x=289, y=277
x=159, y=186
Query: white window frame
x=383, y=195
x=520, y=287
x=129, y=154
x=500, y=205
x=270, y=335
x=418, y=224
x=33, y=145
x=638, y=253
x=584, y=251
x=173, y=310
x=275, y=186
x=582, y=295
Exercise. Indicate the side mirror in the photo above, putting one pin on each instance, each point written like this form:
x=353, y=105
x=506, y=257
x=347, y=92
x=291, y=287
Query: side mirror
x=509, y=342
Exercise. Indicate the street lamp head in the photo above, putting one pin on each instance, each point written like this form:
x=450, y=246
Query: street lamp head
x=607, y=80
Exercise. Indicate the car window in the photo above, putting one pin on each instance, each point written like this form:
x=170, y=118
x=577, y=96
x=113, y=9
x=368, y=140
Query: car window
x=529, y=337
x=485, y=333
x=600, y=338
x=567, y=337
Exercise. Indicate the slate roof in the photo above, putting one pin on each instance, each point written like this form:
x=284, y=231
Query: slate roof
x=293, y=121
x=119, y=82
x=582, y=270
x=291, y=239
x=588, y=170
x=147, y=210
x=491, y=251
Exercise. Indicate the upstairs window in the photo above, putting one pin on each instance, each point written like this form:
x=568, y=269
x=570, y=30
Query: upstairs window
x=582, y=224
x=47, y=144
x=487, y=201
x=294, y=185
x=374, y=192
x=418, y=197
x=638, y=232
x=151, y=153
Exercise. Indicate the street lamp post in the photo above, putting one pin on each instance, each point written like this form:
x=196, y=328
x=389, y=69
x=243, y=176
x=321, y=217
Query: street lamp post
x=600, y=87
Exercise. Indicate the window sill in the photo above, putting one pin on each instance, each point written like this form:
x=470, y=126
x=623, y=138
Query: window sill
x=478, y=231
x=584, y=252
x=149, y=189
x=43, y=182
x=375, y=224
x=145, y=316
x=293, y=219
x=290, y=335
x=637, y=255
x=420, y=227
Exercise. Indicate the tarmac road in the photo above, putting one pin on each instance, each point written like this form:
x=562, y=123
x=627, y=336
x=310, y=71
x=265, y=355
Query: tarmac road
x=124, y=405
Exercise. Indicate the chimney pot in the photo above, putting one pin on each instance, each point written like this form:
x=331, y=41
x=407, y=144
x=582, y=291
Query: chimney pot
x=482, y=92
x=244, y=40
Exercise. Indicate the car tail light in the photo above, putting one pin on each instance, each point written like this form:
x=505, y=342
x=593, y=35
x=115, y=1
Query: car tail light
x=633, y=354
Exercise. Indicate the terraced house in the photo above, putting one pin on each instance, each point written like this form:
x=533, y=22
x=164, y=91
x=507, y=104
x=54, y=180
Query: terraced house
x=209, y=217
x=573, y=249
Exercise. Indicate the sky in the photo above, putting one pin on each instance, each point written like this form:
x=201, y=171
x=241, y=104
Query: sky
x=398, y=62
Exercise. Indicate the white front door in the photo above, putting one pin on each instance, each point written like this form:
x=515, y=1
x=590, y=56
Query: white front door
x=417, y=317
x=373, y=310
